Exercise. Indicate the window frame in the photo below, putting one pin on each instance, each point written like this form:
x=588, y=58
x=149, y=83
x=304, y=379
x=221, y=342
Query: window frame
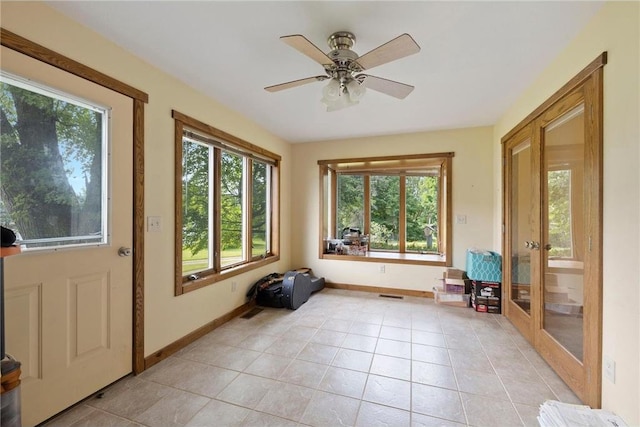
x=402, y=165
x=220, y=141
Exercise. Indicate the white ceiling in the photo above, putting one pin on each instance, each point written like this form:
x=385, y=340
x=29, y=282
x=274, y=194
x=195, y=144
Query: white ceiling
x=476, y=57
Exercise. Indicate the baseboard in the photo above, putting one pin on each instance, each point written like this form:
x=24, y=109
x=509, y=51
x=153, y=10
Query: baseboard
x=167, y=351
x=381, y=290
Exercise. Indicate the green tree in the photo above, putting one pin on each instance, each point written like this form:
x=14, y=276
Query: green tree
x=195, y=196
x=350, y=209
x=231, y=201
x=38, y=133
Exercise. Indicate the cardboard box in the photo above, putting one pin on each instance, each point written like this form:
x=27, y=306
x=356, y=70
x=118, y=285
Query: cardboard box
x=450, y=298
x=486, y=289
x=484, y=265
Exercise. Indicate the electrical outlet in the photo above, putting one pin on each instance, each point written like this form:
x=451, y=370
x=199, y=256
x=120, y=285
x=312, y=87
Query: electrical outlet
x=383, y=268
x=609, y=369
x=154, y=224
x=234, y=286
x=461, y=219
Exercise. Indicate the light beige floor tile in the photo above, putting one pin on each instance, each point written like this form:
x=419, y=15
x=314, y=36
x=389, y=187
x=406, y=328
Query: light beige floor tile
x=528, y=414
x=104, y=419
x=428, y=338
x=203, y=352
x=437, y=402
x=217, y=413
x=247, y=390
x=302, y=333
x=286, y=400
x=257, y=342
x=327, y=409
x=430, y=354
x=339, y=325
x=494, y=413
x=318, y=353
x=464, y=341
x=345, y=382
x=393, y=367
x=304, y=373
x=461, y=359
x=70, y=416
x=370, y=317
x=360, y=342
x=526, y=372
x=367, y=329
x=388, y=392
x=427, y=325
x=432, y=374
x=397, y=320
x=528, y=393
x=268, y=366
x=261, y=419
x=484, y=383
x=395, y=333
x=311, y=320
x=236, y=359
x=393, y=348
x=286, y=347
x=374, y=415
x=173, y=410
x=229, y=336
x=130, y=397
x=421, y=420
x=328, y=337
x=353, y=359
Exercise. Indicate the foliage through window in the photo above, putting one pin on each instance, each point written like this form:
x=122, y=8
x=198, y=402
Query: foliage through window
x=52, y=166
x=226, y=205
x=400, y=204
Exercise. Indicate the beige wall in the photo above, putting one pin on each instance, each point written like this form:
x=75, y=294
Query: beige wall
x=472, y=196
x=615, y=29
x=167, y=318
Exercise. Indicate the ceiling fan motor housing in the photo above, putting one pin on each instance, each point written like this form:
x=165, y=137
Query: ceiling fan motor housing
x=344, y=59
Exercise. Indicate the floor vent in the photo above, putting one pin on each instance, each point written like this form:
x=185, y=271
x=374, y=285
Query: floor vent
x=391, y=296
x=249, y=314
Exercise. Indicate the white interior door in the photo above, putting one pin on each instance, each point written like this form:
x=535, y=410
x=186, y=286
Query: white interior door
x=68, y=311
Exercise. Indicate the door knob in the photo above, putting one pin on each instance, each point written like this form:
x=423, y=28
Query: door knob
x=527, y=245
x=124, y=251
x=535, y=245
x=547, y=247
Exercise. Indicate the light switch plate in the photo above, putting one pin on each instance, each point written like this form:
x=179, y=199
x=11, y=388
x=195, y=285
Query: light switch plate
x=609, y=368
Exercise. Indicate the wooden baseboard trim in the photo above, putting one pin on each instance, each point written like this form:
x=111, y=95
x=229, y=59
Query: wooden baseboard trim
x=167, y=351
x=381, y=290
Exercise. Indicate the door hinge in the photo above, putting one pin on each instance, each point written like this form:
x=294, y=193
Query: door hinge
x=589, y=243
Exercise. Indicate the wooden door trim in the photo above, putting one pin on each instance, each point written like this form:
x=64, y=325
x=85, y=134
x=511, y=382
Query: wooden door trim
x=576, y=81
x=139, y=98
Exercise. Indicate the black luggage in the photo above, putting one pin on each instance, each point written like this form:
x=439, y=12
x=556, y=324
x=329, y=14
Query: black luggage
x=291, y=292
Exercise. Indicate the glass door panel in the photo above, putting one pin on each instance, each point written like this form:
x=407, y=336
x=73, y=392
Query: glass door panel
x=520, y=225
x=563, y=229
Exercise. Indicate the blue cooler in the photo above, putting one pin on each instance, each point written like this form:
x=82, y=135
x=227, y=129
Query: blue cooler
x=485, y=266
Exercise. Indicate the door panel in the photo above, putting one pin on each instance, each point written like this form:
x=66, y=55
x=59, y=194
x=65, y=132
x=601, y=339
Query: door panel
x=553, y=233
x=69, y=311
x=563, y=227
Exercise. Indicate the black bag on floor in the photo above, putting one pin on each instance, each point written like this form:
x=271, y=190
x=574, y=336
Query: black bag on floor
x=291, y=291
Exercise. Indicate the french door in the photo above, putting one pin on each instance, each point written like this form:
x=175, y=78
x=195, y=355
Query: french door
x=552, y=186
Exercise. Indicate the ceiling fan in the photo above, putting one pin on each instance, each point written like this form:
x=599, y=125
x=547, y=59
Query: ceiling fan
x=344, y=68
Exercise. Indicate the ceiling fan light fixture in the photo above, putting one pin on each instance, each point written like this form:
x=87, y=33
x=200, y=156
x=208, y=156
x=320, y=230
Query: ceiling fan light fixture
x=331, y=92
x=356, y=90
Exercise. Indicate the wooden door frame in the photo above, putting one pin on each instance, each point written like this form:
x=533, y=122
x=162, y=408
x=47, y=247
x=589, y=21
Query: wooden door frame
x=139, y=98
x=590, y=82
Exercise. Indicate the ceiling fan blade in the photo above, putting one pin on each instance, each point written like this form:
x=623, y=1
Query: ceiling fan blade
x=294, y=83
x=388, y=87
x=397, y=48
x=304, y=46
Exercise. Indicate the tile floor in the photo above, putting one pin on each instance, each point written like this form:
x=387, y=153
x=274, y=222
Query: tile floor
x=344, y=358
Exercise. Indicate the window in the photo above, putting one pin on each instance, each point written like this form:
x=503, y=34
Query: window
x=226, y=205
x=400, y=207
x=53, y=152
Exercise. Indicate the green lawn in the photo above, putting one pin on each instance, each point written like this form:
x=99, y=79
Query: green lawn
x=198, y=262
